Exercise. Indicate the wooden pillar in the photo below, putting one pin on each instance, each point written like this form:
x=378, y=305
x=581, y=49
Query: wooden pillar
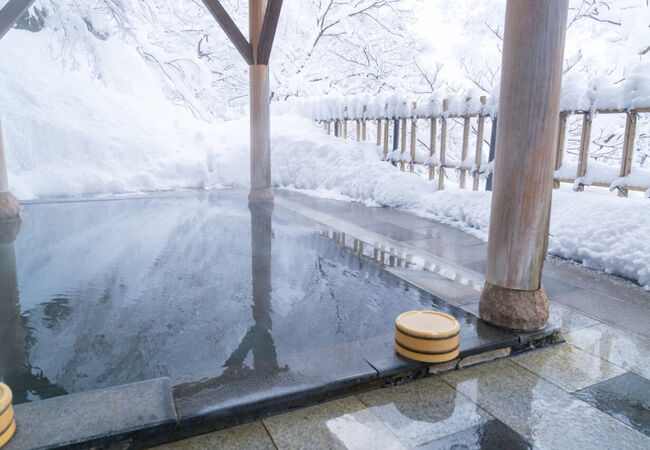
x=386, y=125
x=464, y=149
x=583, y=157
x=443, y=145
x=260, y=121
x=379, y=132
x=559, y=154
x=529, y=109
x=395, y=138
x=414, y=137
x=14, y=365
x=478, y=153
x=403, y=146
x=9, y=208
x=628, y=148
x=432, y=146
x=492, y=154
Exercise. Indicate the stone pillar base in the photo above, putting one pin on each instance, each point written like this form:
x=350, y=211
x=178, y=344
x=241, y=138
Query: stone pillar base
x=261, y=195
x=9, y=207
x=514, y=309
x=9, y=229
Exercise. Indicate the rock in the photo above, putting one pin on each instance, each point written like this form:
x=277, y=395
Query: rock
x=514, y=309
x=9, y=207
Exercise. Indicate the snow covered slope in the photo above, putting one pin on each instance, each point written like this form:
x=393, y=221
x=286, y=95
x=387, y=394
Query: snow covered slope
x=70, y=133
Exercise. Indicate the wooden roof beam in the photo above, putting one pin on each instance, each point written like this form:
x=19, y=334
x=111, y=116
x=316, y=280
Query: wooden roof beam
x=11, y=12
x=269, y=26
x=230, y=28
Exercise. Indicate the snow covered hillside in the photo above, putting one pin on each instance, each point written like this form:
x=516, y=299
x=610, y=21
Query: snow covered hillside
x=112, y=108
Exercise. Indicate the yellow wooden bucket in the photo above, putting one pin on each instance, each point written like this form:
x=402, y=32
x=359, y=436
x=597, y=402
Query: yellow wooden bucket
x=7, y=422
x=427, y=336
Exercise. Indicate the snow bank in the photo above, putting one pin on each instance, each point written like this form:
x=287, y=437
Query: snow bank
x=600, y=230
x=578, y=94
x=68, y=134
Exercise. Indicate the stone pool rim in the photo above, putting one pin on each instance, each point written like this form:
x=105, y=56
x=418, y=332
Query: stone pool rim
x=154, y=432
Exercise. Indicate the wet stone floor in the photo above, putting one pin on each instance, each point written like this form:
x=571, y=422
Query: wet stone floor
x=591, y=392
x=567, y=396
x=87, y=304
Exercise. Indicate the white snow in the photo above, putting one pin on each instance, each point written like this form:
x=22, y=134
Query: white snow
x=68, y=133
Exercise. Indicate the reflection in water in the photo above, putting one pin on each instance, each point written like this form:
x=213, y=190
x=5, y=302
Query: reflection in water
x=15, y=338
x=258, y=338
x=190, y=288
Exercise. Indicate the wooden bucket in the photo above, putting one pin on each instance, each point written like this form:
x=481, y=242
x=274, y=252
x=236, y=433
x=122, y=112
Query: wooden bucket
x=427, y=336
x=7, y=422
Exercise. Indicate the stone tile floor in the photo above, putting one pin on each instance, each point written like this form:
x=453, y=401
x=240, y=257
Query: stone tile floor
x=591, y=392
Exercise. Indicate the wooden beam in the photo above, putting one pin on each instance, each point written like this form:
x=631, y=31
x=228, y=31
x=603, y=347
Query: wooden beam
x=11, y=12
x=230, y=28
x=269, y=26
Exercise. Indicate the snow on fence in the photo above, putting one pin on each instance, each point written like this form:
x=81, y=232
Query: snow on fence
x=406, y=118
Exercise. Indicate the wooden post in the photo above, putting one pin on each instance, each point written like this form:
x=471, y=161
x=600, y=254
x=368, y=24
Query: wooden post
x=260, y=121
x=443, y=145
x=464, y=149
x=628, y=148
x=10, y=12
x=9, y=207
x=432, y=146
x=529, y=108
x=262, y=23
x=559, y=154
x=379, y=132
x=414, y=130
x=358, y=121
x=345, y=128
x=363, y=124
x=395, y=139
x=478, y=154
x=386, y=125
x=403, y=146
x=492, y=154
x=583, y=157
x=329, y=127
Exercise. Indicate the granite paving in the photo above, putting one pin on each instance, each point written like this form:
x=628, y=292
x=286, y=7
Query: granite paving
x=625, y=397
x=590, y=392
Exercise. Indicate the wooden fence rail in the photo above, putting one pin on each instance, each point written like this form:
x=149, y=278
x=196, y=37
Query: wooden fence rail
x=436, y=164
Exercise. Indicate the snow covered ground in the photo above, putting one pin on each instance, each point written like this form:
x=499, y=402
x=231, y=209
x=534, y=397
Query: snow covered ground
x=69, y=134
